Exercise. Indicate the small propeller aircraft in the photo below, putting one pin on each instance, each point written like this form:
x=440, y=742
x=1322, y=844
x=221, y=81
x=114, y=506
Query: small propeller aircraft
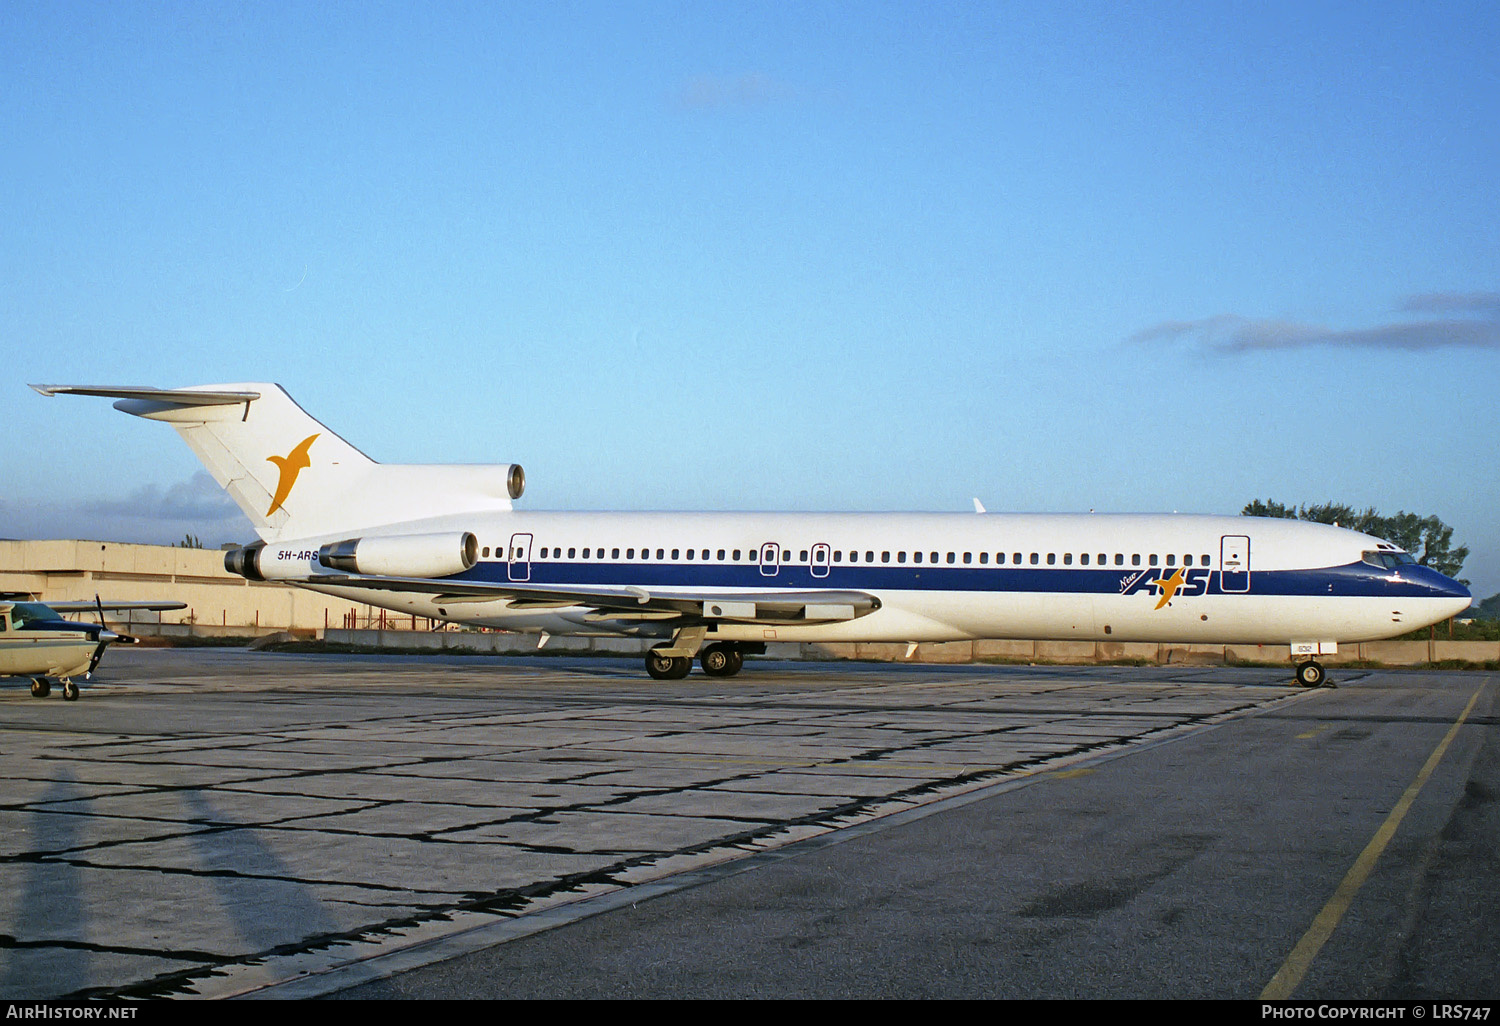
x=36, y=642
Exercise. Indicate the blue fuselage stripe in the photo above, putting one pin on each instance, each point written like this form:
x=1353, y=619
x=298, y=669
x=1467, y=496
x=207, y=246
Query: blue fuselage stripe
x=1356, y=579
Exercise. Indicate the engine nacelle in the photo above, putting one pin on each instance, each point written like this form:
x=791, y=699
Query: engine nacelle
x=403, y=555
x=280, y=562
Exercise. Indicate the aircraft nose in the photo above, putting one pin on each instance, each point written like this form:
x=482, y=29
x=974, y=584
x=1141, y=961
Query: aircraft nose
x=1449, y=588
x=1457, y=596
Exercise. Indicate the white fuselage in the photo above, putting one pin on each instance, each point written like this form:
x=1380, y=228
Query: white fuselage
x=943, y=576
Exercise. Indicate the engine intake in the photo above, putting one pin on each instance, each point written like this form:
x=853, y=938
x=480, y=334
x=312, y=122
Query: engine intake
x=404, y=555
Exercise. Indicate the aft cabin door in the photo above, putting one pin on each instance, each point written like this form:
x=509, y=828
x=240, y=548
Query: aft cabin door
x=1234, y=563
x=520, y=557
x=770, y=559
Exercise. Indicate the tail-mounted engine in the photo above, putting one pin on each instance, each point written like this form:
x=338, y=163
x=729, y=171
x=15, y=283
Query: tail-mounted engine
x=406, y=555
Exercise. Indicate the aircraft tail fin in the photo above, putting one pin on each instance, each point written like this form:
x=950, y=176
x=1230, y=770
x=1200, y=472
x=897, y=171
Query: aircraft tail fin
x=294, y=478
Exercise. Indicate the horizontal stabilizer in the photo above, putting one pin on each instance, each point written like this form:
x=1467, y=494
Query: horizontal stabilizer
x=177, y=396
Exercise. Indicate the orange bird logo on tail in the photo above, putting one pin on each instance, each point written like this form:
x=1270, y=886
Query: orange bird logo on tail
x=290, y=465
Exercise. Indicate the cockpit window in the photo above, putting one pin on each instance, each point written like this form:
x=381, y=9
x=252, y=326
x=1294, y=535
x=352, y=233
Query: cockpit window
x=24, y=613
x=1389, y=560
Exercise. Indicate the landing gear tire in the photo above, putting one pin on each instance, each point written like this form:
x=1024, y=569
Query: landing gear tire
x=663, y=667
x=721, y=660
x=40, y=688
x=1310, y=674
x=70, y=691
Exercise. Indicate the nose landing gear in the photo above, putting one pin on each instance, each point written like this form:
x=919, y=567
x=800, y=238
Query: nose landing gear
x=1310, y=674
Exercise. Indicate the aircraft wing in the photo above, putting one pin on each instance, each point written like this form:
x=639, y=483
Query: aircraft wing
x=630, y=602
x=84, y=605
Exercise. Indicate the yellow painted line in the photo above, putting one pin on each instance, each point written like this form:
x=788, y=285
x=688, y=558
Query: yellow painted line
x=1070, y=774
x=1300, y=960
x=1314, y=732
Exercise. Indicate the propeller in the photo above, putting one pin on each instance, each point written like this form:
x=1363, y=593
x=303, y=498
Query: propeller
x=104, y=637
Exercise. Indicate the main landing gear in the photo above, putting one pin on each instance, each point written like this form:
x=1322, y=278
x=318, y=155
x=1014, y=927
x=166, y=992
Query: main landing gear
x=1310, y=674
x=41, y=688
x=721, y=659
x=667, y=667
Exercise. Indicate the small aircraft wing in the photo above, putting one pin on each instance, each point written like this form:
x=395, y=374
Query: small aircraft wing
x=630, y=602
x=84, y=605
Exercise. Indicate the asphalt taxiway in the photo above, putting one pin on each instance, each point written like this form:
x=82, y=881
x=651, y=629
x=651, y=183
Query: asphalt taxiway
x=221, y=823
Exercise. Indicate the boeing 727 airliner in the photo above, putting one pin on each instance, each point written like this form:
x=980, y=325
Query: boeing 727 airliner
x=445, y=542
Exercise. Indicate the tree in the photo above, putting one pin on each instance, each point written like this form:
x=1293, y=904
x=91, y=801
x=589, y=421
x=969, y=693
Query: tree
x=1428, y=539
x=189, y=541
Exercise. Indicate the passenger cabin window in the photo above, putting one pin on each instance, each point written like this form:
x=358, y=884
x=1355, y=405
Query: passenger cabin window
x=1187, y=559
x=1153, y=559
x=1135, y=559
x=1067, y=559
x=1051, y=558
x=901, y=556
x=1083, y=559
x=1119, y=559
x=984, y=557
x=1035, y=558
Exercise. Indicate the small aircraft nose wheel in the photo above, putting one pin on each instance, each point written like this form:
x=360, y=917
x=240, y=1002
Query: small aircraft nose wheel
x=40, y=688
x=70, y=691
x=1310, y=674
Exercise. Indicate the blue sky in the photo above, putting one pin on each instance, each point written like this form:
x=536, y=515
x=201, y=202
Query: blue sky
x=760, y=256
